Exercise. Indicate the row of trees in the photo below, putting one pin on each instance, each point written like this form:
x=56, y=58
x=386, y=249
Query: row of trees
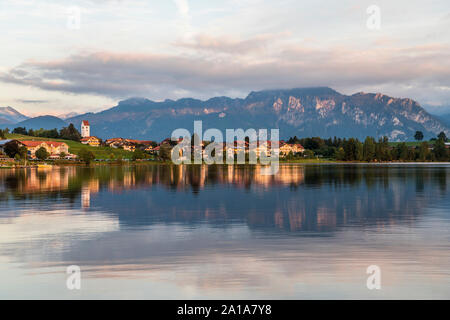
x=371, y=150
x=419, y=136
x=66, y=133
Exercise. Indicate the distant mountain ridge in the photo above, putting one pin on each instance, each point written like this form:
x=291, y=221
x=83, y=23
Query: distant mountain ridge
x=445, y=118
x=302, y=112
x=45, y=122
x=10, y=115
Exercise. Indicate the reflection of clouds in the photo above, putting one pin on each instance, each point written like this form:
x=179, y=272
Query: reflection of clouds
x=36, y=233
x=232, y=263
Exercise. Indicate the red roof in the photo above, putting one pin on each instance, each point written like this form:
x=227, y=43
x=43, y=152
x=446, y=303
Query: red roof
x=85, y=123
x=89, y=138
x=32, y=144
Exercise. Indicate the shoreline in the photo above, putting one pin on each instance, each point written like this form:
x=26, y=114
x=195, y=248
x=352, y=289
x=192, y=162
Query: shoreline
x=147, y=163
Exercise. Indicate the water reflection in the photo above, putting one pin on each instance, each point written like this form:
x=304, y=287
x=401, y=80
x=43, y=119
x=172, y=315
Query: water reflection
x=161, y=231
x=298, y=198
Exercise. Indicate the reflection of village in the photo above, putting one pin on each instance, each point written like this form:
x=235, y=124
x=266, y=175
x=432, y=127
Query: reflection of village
x=295, y=202
x=47, y=180
x=181, y=177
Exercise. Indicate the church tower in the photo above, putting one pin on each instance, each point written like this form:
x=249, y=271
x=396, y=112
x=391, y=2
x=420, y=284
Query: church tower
x=85, y=129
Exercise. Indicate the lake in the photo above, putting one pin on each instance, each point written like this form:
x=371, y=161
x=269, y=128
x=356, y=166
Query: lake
x=226, y=232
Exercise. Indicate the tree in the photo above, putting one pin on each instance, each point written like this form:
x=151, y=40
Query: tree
x=439, y=150
x=418, y=136
x=402, y=151
x=20, y=130
x=2, y=134
x=23, y=152
x=11, y=149
x=165, y=152
x=369, y=149
x=442, y=136
x=62, y=155
x=86, y=155
x=70, y=133
x=423, y=152
x=340, y=154
x=138, y=154
x=111, y=157
x=42, y=153
x=308, y=154
x=382, y=151
x=353, y=149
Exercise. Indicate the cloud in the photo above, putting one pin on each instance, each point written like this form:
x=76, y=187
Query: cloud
x=32, y=101
x=229, y=44
x=423, y=69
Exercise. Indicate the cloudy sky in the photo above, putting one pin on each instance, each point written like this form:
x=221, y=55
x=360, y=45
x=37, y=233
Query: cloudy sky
x=62, y=56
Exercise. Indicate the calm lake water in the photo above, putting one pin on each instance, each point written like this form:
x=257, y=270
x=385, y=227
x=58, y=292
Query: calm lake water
x=222, y=232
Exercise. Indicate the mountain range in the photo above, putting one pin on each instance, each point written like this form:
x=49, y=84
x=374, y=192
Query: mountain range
x=445, y=118
x=46, y=122
x=9, y=115
x=302, y=112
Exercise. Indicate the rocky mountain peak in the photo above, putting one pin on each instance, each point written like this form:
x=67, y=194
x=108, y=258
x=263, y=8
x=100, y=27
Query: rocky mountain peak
x=304, y=112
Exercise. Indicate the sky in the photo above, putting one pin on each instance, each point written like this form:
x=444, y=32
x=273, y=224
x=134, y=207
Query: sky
x=59, y=57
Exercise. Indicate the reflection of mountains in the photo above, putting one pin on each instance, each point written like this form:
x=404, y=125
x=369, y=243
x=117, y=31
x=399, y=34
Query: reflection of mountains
x=307, y=198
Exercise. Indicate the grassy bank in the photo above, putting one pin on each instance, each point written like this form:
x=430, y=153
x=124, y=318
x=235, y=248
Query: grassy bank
x=75, y=147
x=309, y=161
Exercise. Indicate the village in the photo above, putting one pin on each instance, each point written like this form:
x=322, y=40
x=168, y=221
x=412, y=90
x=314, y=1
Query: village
x=57, y=150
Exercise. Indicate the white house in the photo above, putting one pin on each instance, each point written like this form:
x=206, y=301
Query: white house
x=85, y=129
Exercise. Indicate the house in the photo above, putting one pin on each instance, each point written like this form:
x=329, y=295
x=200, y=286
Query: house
x=287, y=148
x=140, y=142
x=86, y=137
x=109, y=142
x=128, y=144
x=447, y=145
x=53, y=148
x=114, y=143
x=297, y=148
x=85, y=129
x=92, y=141
x=263, y=148
x=129, y=147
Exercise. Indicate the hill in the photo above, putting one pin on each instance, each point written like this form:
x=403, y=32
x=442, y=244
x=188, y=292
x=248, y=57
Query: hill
x=75, y=147
x=301, y=112
x=45, y=122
